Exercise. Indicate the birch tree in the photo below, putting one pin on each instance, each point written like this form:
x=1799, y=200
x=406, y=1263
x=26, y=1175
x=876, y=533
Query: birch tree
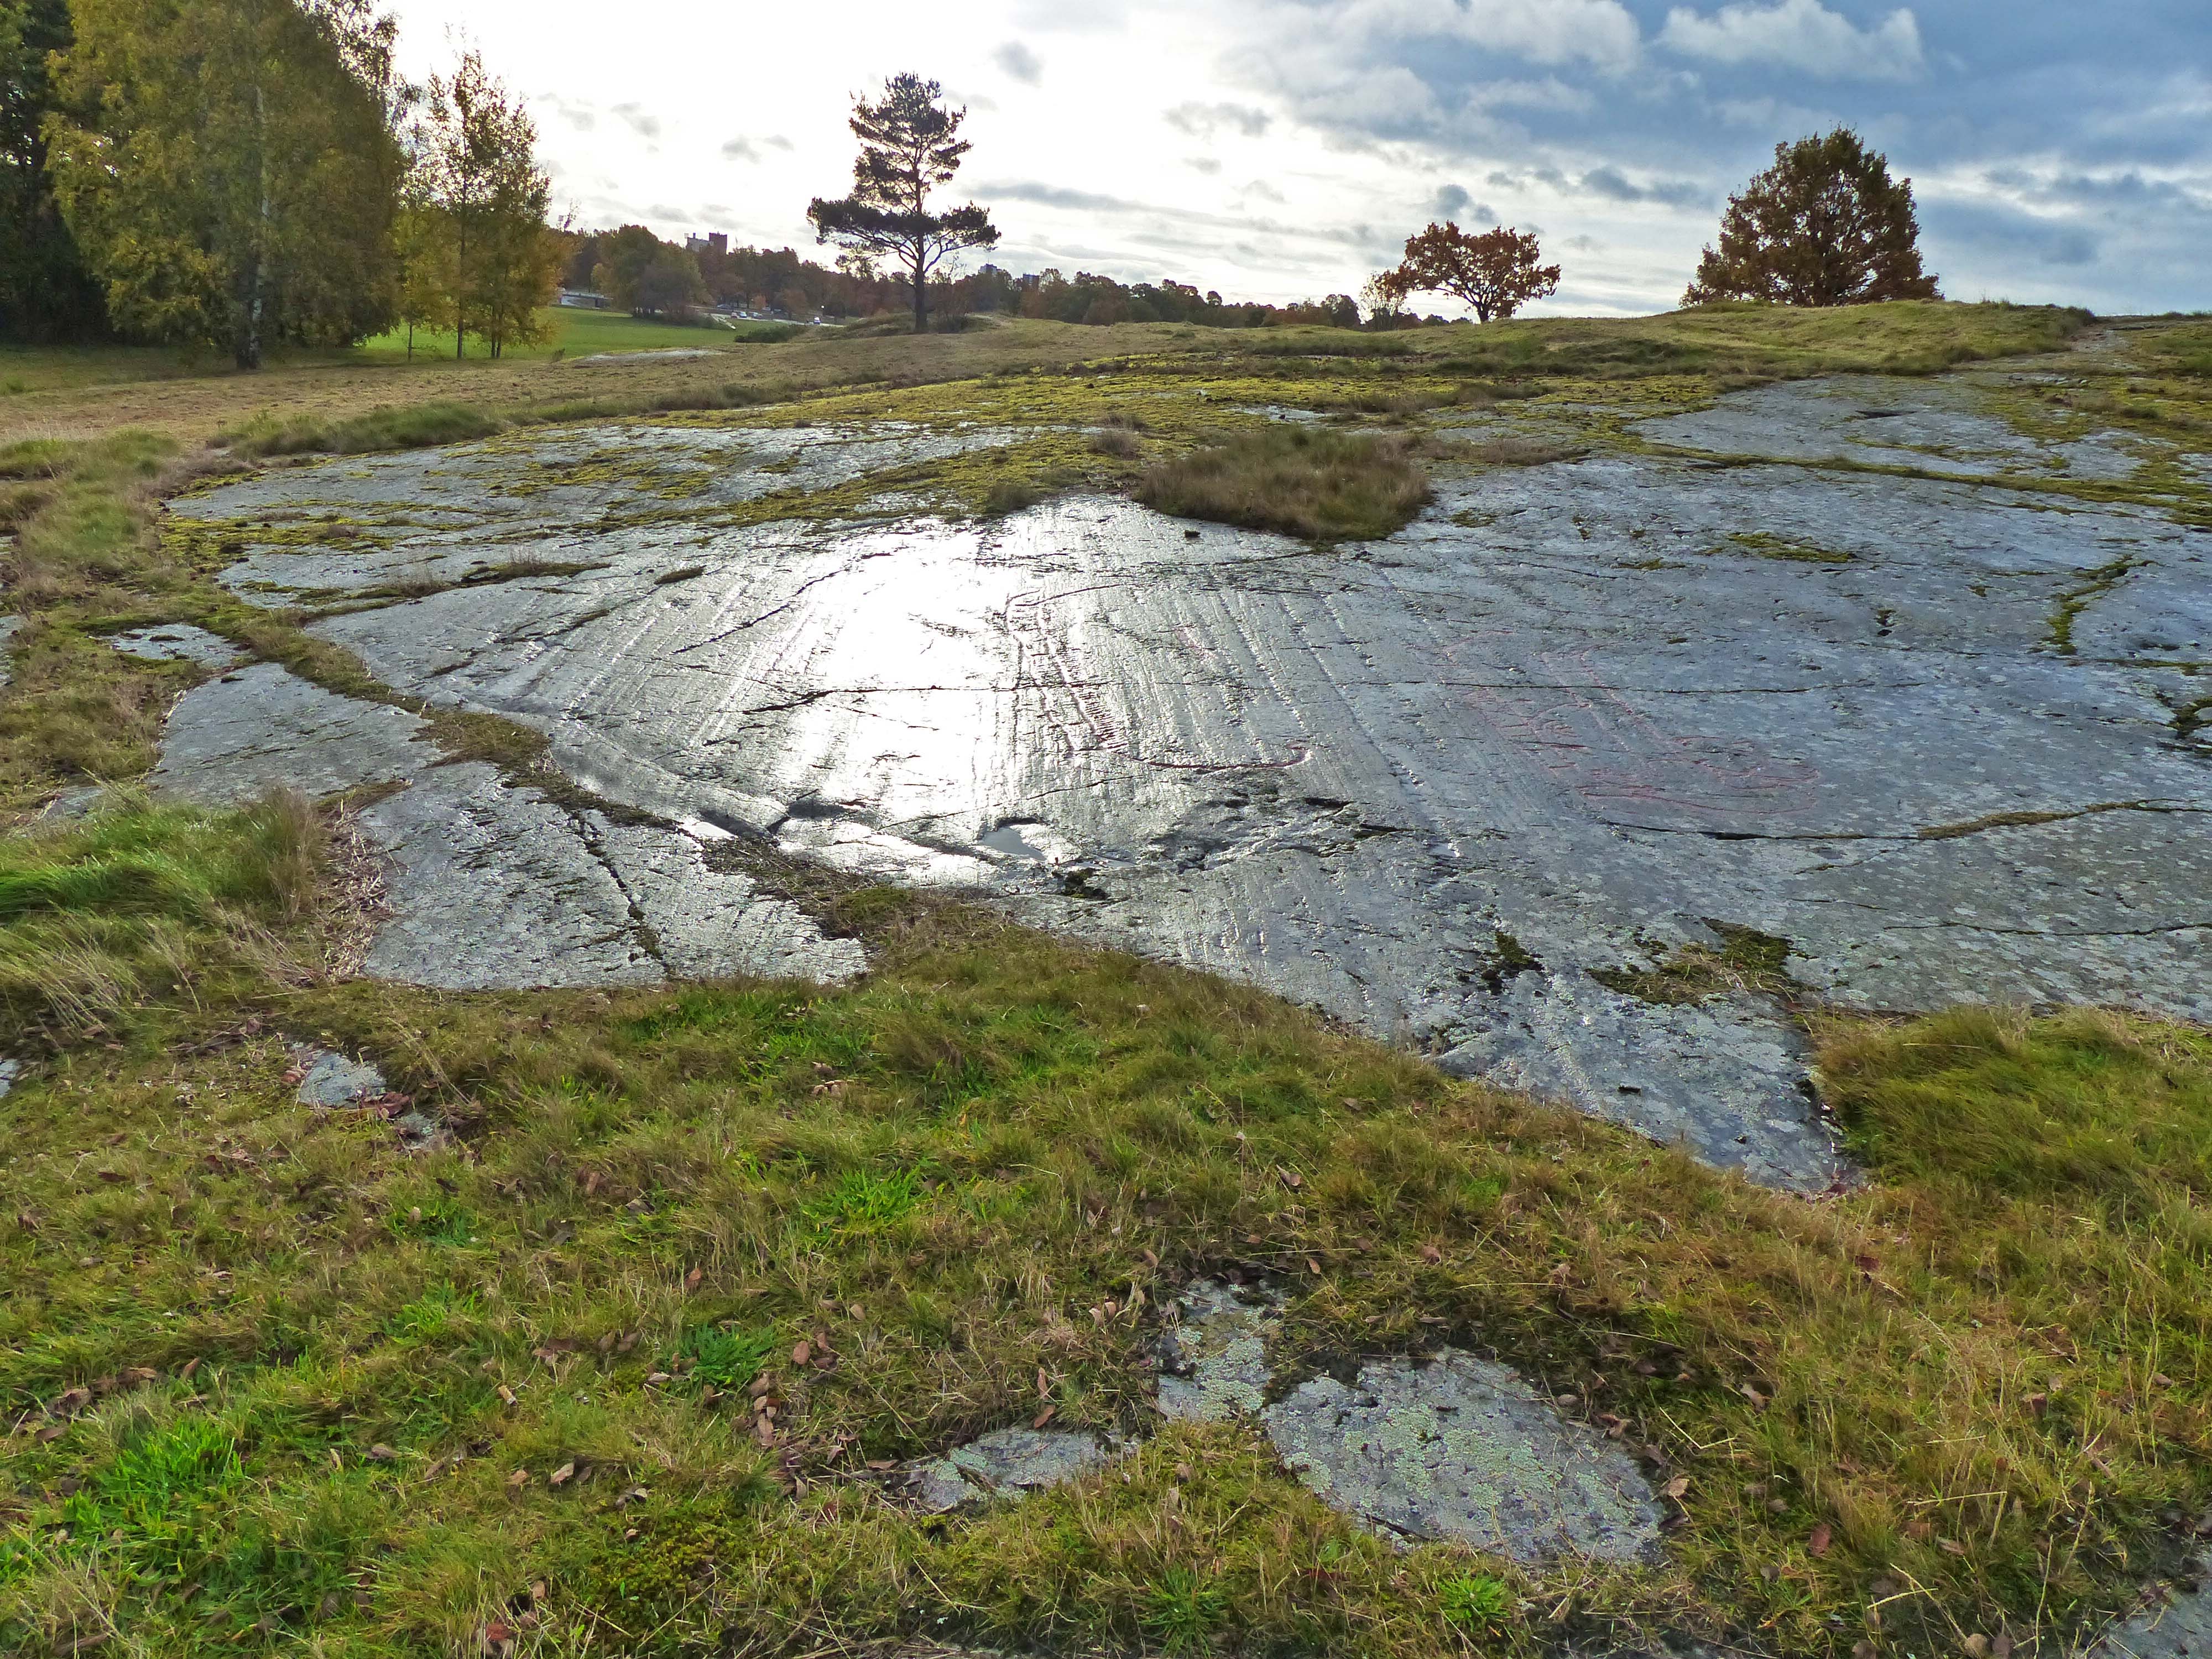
x=229, y=167
x=488, y=197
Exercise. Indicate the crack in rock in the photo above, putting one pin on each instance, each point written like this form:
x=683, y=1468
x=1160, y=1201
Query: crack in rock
x=1544, y=710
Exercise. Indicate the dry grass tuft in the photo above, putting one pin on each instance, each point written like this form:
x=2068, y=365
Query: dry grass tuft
x=1297, y=480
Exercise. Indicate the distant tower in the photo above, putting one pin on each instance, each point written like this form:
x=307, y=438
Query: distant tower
x=718, y=240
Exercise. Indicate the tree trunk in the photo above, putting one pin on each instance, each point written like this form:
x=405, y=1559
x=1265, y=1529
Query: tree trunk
x=920, y=298
x=249, y=346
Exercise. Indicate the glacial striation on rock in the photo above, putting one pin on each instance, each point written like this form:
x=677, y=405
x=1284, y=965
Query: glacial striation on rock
x=1457, y=786
x=489, y=885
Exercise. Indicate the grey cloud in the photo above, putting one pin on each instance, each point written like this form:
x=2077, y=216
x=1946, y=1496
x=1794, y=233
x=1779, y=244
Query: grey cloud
x=1204, y=120
x=1204, y=164
x=1264, y=191
x=1452, y=203
x=1019, y=63
x=749, y=149
x=1057, y=196
x=1615, y=186
x=575, y=110
x=634, y=117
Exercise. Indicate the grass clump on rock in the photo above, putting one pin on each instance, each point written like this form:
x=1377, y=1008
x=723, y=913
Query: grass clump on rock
x=1295, y=480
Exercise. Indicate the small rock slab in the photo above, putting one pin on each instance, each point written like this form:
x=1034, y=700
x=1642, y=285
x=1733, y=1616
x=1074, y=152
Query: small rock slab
x=2178, y=1626
x=1015, y=1461
x=1461, y=1449
x=178, y=642
x=1451, y=1448
x=262, y=729
x=1214, y=1363
x=333, y=1081
x=11, y=1072
x=8, y=626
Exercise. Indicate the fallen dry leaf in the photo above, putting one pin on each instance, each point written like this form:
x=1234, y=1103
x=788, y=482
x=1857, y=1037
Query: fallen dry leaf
x=1817, y=1541
x=1431, y=1254
x=518, y=1480
x=1976, y=1646
x=801, y=1352
x=381, y=1453
x=562, y=1476
x=1292, y=1178
x=1044, y=1417
x=691, y=1279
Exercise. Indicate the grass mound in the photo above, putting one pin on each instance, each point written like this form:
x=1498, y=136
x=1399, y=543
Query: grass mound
x=413, y=426
x=134, y=906
x=1298, y=480
x=335, y=1390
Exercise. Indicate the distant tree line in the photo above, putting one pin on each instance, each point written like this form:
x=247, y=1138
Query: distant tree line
x=640, y=272
x=243, y=175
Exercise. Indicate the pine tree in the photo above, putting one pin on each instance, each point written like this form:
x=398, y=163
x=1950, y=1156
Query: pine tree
x=233, y=178
x=910, y=143
x=1825, y=226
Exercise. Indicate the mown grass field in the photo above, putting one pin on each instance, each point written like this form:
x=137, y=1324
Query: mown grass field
x=276, y=1383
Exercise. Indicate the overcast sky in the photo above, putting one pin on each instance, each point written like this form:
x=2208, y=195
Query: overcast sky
x=2060, y=150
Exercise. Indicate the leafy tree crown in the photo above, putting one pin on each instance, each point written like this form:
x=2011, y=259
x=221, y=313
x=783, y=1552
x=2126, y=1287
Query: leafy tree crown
x=1825, y=226
x=1496, y=271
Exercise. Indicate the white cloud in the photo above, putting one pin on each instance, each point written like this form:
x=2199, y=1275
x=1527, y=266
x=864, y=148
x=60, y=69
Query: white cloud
x=1602, y=33
x=1803, y=36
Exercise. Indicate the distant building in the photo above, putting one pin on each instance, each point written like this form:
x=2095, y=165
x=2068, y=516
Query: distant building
x=718, y=241
x=581, y=300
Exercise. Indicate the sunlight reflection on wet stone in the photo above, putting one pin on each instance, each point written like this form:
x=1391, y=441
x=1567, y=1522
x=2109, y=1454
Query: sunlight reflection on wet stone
x=1589, y=709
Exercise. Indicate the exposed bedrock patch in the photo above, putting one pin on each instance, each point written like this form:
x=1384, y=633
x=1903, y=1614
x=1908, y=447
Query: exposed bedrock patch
x=8, y=626
x=489, y=885
x=1585, y=706
x=2177, y=1623
x=178, y=642
x=1008, y=1462
x=1452, y=1447
x=330, y=1080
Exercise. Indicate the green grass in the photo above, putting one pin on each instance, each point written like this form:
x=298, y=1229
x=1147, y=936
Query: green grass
x=571, y=332
x=1297, y=480
x=344, y=1396
x=2003, y=1336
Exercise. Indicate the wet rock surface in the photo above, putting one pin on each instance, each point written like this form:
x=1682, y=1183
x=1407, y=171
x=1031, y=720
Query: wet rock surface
x=1452, y=1447
x=11, y=1072
x=178, y=642
x=1921, y=728
x=1006, y=1463
x=489, y=885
